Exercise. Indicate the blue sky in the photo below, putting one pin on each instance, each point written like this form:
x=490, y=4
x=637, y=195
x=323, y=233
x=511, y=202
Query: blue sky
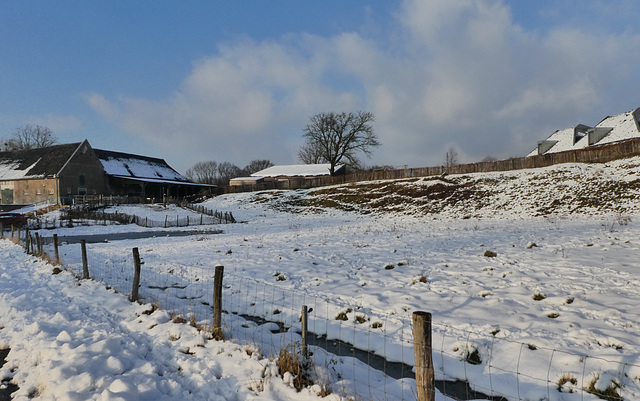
x=237, y=81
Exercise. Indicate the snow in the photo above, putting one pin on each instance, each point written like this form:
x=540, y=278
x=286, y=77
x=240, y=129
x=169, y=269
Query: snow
x=9, y=171
x=624, y=126
x=302, y=170
x=564, y=141
x=139, y=168
x=559, y=299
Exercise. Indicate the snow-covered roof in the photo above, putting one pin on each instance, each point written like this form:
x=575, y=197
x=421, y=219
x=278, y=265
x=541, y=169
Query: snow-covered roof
x=246, y=179
x=564, y=139
x=625, y=126
x=296, y=170
x=35, y=163
x=125, y=165
x=612, y=129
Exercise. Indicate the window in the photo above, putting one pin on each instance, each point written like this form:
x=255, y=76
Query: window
x=51, y=192
x=38, y=192
x=81, y=180
x=25, y=192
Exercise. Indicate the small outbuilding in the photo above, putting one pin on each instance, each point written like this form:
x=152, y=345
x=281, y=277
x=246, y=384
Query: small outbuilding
x=299, y=170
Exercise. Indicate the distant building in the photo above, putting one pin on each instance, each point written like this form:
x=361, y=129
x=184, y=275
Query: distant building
x=245, y=181
x=56, y=174
x=299, y=170
x=610, y=130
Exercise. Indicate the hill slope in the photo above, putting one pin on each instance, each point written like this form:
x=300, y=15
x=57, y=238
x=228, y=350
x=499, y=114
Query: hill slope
x=567, y=189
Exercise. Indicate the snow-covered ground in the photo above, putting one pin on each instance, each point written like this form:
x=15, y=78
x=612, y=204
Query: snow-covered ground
x=550, y=312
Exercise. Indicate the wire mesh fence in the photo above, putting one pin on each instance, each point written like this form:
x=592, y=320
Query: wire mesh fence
x=359, y=352
x=83, y=215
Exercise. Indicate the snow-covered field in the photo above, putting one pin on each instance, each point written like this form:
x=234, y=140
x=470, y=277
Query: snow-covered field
x=550, y=312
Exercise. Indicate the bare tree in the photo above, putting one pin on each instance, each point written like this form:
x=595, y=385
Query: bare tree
x=203, y=172
x=490, y=159
x=335, y=137
x=256, y=165
x=451, y=158
x=227, y=171
x=31, y=137
x=310, y=154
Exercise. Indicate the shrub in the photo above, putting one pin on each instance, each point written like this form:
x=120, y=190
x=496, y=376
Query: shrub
x=470, y=354
x=179, y=319
x=565, y=379
x=610, y=393
x=490, y=254
x=539, y=296
x=376, y=325
x=343, y=315
x=288, y=362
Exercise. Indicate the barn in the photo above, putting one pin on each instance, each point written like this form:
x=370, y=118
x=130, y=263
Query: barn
x=60, y=174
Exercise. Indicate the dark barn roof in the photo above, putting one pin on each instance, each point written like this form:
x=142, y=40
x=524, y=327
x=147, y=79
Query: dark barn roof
x=40, y=162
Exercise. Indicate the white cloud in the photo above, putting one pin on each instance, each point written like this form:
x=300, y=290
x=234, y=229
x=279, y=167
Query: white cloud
x=460, y=72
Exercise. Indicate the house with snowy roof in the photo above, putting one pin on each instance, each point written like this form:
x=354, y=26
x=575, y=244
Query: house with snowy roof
x=56, y=174
x=612, y=129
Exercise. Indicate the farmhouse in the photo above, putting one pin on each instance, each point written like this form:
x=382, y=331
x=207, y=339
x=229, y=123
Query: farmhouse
x=57, y=174
x=610, y=130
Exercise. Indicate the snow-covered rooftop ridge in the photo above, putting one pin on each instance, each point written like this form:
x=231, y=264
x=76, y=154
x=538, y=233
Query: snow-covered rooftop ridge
x=294, y=170
x=247, y=178
x=136, y=166
x=611, y=129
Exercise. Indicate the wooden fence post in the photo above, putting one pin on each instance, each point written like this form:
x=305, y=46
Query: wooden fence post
x=305, y=349
x=136, y=275
x=85, y=263
x=38, y=250
x=12, y=231
x=425, y=381
x=187, y=221
x=26, y=239
x=56, y=253
x=165, y=220
x=217, y=302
